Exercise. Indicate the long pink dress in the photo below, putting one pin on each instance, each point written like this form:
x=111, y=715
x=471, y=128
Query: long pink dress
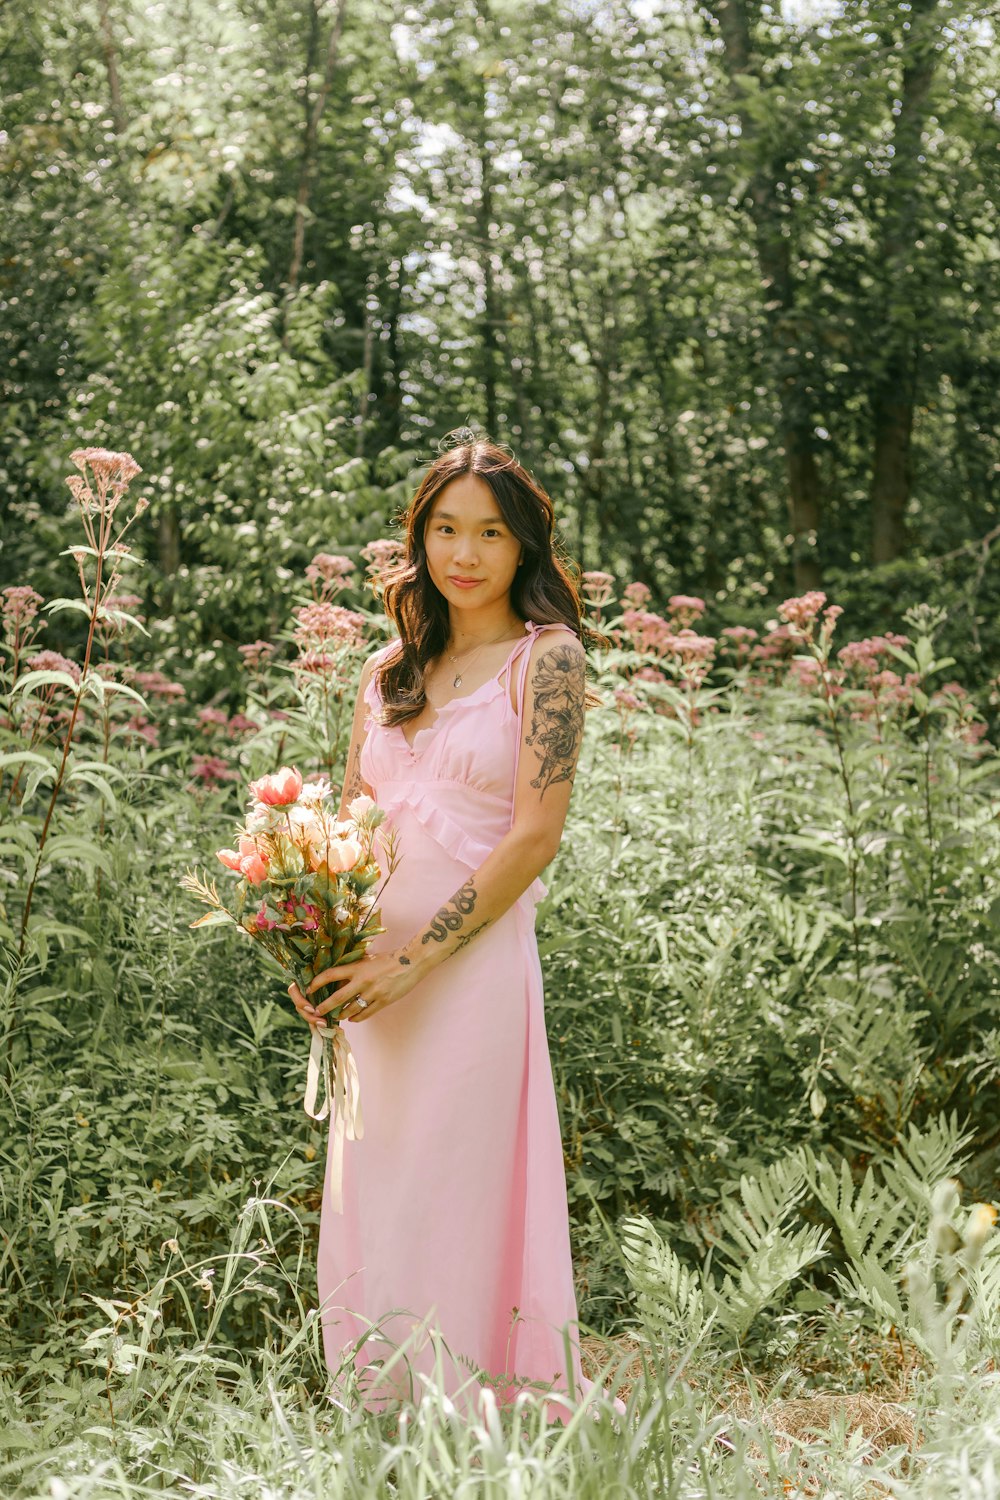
x=455, y=1215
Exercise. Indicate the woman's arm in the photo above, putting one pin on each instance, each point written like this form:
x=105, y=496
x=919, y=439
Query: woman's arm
x=551, y=735
x=354, y=782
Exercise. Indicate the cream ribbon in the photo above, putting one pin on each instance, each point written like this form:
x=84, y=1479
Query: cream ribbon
x=333, y=1061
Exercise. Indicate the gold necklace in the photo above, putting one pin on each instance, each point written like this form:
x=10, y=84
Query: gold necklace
x=457, y=679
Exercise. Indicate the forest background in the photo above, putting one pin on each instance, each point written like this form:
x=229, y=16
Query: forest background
x=722, y=276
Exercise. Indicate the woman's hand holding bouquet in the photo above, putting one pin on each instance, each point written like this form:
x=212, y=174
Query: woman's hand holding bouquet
x=306, y=894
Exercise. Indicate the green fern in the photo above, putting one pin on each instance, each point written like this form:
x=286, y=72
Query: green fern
x=668, y=1295
x=867, y=1217
x=923, y=1158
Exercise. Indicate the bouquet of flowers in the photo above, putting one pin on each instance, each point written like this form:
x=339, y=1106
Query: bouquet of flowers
x=307, y=894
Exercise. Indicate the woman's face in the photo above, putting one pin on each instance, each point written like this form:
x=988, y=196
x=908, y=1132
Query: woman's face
x=472, y=554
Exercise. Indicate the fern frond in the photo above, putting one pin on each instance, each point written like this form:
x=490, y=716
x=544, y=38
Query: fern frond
x=669, y=1296
x=764, y=1204
x=777, y=1260
x=867, y=1217
x=924, y=1157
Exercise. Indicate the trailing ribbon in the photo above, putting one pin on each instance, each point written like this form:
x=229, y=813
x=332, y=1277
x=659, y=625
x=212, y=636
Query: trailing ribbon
x=333, y=1061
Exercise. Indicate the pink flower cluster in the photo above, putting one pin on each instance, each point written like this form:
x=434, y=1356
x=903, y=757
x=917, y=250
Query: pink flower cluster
x=383, y=557
x=597, y=587
x=257, y=654
x=154, y=684
x=323, y=623
x=329, y=572
x=802, y=615
x=211, y=770
x=20, y=606
x=52, y=661
x=866, y=656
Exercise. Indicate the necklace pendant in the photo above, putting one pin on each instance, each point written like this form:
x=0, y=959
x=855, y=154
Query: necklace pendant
x=456, y=681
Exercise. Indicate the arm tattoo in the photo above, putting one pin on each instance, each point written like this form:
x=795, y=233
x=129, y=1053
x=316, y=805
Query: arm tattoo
x=466, y=937
x=446, y=920
x=557, y=714
x=355, y=783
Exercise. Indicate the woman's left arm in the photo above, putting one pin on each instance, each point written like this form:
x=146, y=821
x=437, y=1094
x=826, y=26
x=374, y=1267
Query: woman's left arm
x=551, y=735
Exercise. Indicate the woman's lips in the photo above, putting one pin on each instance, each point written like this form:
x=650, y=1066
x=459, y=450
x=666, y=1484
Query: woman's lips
x=465, y=583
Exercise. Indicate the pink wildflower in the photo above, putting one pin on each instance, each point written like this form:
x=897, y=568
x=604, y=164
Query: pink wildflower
x=649, y=632
x=322, y=622
x=685, y=608
x=155, y=685
x=210, y=718
x=597, y=587
x=20, y=604
x=256, y=654
x=637, y=595
x=52, y=661
x=803, y=610
x=210, y=768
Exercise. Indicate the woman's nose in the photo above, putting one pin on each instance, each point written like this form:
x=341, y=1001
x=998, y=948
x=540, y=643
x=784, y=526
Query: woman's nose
x=465, y=550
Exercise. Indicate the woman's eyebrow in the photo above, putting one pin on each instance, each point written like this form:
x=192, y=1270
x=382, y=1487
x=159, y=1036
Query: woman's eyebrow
x=444, y=515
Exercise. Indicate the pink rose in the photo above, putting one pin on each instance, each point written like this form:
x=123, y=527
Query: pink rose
x=229, y=858
x=277, y=790
x=254, y=868
x=360, y=806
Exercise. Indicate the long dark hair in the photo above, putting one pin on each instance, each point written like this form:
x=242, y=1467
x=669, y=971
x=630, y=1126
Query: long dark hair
x=543, y=589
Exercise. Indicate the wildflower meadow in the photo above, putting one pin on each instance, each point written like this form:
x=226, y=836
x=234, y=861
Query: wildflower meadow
x=771, y=955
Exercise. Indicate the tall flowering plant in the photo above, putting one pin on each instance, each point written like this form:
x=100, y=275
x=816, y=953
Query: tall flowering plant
x=307, y=893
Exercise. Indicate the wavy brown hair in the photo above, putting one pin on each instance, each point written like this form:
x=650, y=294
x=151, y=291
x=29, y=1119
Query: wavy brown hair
x=543, y=589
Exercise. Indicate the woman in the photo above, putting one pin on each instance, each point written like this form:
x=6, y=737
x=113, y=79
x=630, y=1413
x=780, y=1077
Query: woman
x=467, y=731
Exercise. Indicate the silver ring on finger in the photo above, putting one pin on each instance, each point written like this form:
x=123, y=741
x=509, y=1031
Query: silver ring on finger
x=361, y=1004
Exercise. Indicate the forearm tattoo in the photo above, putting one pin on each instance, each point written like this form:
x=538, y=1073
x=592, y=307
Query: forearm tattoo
x=451, y=917
x=559, y=686
x=466, y=937
x=355, y=783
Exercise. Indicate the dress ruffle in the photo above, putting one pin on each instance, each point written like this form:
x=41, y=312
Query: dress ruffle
x=418, y=801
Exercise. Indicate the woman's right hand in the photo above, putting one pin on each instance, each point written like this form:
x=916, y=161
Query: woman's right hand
x=304, y=1006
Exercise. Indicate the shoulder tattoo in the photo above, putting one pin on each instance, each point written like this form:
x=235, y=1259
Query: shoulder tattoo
x=559, y=687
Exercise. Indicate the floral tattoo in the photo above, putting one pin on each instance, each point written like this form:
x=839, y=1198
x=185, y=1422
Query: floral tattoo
x=559, y=687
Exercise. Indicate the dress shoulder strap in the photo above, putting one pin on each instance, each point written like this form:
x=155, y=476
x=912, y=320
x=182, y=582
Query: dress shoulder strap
x=371, y=694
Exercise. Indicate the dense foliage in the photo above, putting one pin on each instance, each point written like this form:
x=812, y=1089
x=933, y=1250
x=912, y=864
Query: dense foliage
x=772, y=964
x=722, y=273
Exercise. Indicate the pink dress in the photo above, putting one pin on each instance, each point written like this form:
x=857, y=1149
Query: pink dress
x=455, y=1215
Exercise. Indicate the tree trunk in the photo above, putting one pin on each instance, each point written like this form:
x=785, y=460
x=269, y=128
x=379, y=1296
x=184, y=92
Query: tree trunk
x=111, y=64
x=490, y=309
x=371, y=316
x=893, y=386
x=307, y=166
x=805, y=496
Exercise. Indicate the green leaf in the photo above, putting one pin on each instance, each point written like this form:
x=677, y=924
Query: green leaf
x=25, y=757
x=80, y=773
x=32, y=680
x=68, y=846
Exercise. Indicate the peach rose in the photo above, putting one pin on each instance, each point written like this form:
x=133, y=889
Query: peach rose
x=360, y=806
x=277, y=790
x=342, y=855
x=229, y=858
